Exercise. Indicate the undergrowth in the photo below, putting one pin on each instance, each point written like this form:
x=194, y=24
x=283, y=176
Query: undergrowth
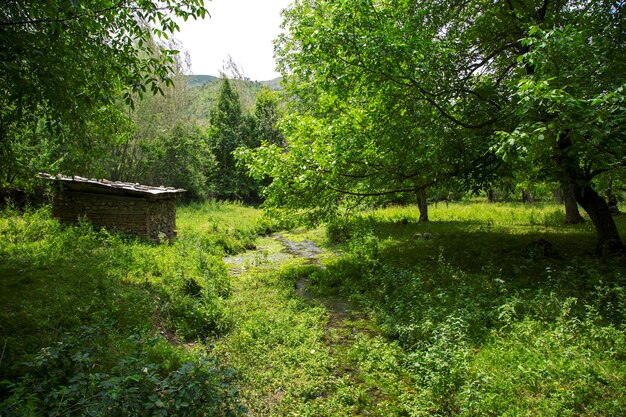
x=486, y=310
x=489, y=322
x=277, y=346
x=98, y=323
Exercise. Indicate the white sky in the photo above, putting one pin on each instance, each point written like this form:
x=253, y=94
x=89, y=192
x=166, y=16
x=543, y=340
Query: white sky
x=243, y=29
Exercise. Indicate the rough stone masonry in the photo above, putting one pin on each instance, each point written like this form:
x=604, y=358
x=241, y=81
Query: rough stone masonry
x=132, y=208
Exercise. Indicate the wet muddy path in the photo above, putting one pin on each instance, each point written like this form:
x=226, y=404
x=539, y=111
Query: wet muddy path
x=344, y=316
x=337, y=340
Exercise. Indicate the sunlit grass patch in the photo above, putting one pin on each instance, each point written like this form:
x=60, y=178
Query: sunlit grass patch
x=205, y=217
x=226, y=227
x=277, y=345
x=293, y=361
x=58, y=284
x=512, y=217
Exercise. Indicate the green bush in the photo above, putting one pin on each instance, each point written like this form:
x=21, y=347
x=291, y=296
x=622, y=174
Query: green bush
x=68, y=379
x=73, y=296
x=195, y=318
x=338, y=231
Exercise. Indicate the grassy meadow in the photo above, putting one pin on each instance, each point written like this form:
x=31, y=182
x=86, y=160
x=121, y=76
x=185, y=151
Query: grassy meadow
x=96, y=323
x=462, y=316
x=490, y=323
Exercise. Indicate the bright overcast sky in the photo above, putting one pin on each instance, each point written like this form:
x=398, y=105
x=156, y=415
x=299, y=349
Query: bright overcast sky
x=243, y=29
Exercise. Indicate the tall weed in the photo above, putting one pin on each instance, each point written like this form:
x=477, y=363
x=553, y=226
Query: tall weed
x=489, y=327
x=61, y=284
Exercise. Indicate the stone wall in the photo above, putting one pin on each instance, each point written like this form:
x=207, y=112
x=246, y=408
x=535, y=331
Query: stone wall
x=146, y=217
x=162, y=218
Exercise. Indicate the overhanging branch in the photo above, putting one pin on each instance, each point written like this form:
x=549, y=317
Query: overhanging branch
x=66, y=19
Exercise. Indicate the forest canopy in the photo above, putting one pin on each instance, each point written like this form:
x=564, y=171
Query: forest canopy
x=66, y=65
x=394, y=97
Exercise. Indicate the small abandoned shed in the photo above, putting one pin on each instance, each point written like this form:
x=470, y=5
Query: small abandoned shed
x=133, y=208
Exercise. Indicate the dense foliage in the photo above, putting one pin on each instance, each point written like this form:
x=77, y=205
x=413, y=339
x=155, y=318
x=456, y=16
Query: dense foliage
x=398, y=97
x=99, y=89
x=66, y=64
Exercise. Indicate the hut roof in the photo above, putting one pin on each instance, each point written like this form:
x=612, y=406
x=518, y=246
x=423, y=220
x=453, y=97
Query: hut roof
x=103, y=186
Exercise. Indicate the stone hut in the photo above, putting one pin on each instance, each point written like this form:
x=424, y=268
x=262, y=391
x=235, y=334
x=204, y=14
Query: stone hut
x=132, y=208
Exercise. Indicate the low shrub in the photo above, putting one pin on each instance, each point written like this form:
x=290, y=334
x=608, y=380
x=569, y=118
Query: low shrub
x=69, y=379
x=75, y=298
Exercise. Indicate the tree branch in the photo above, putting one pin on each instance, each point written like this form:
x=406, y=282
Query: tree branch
x=472, y=68
x=541, y=13
x=372, y=193
x=78, y=16
x=428, y=97
x=593, y=174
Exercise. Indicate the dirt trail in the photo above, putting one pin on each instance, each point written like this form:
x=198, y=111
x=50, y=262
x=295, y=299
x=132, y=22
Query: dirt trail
x=346, y=325
x=344, y=315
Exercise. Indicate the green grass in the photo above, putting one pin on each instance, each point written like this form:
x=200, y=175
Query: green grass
x=488, y=324
x=277, y=345
x=144, y=301
x=475, y=320
x=291, y=358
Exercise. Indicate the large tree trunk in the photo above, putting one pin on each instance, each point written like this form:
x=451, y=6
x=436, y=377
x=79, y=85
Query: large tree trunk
x=491, y=196
x=572, y=215
x=611, y=199
x=609, y=242
x=608, y=239
x=422, y=204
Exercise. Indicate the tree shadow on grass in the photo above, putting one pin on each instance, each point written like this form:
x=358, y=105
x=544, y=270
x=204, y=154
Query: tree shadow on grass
x=407, y=273
x=469, y=245
x=43, y=299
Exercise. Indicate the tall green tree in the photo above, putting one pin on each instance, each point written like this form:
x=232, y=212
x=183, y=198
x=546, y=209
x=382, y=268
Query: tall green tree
x=571, y=104
x=231, y=129
x=166, y=146
x=267, y=112
x=65, y=63
x=358, y=115
x=392, y=95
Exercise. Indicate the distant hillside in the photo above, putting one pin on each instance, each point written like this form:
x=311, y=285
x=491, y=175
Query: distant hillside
x=201, y=80
x=205, y=90
x=273, y=84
